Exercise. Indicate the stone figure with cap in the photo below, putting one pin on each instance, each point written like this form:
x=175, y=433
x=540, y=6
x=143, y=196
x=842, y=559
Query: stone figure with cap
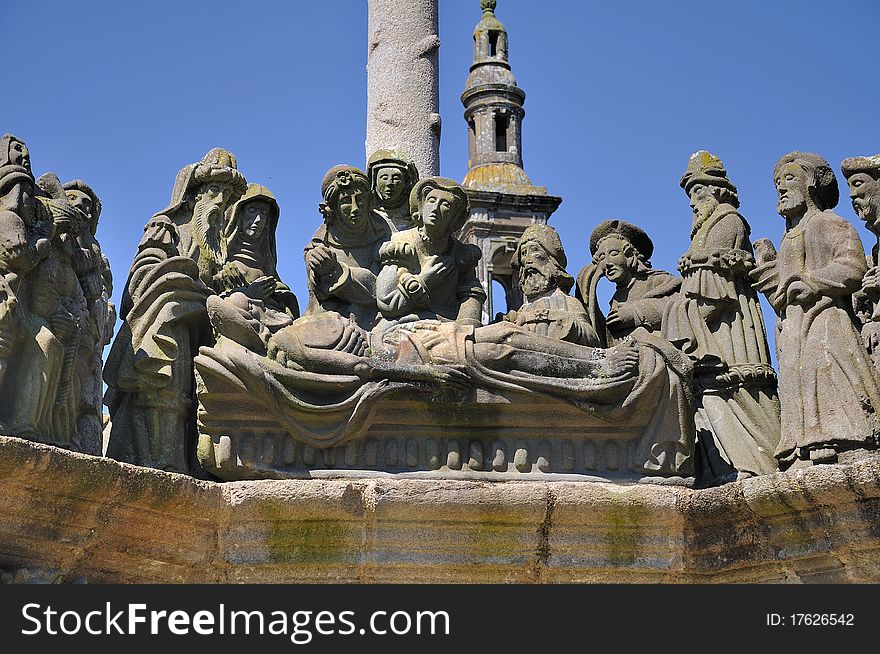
x=717, y=321
x=828, y=387
x=178, y=265
x=539, y=263
x=392, y=174
x=863, y=178
x=622, y=253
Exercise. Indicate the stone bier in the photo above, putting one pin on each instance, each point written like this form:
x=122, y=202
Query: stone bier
x=55, y=313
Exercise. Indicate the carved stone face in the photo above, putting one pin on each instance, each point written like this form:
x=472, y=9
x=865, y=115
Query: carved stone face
x=536, y=269
x=19, y=154
x=391, y=185
x=81, y=201
x=792, y=186
x=255, y=216
x=351, y=206
x=438, y=211
x=703, y=201
x=212, y=198
x=616, y=256
x=864, y=191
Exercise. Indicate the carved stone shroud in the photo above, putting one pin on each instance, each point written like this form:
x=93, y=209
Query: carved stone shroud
x=481, y=435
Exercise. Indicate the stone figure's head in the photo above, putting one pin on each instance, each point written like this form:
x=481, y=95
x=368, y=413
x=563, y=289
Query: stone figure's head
x=439, y=206
x=622, y=250
x=251, y=223
x=392, y=176
x=82, y=198
x=13, y=152
x=346, y=193
x=706, y=184
x=804, y=181
x=539, y=262
x=863, y=177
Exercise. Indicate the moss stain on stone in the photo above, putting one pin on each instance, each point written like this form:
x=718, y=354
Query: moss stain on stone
x=625, y=532
x=312, y=541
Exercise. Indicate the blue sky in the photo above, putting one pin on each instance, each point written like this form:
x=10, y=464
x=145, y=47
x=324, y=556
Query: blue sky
x=618, y=96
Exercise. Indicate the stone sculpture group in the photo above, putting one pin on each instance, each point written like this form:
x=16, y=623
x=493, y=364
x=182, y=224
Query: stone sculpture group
x=214, y=372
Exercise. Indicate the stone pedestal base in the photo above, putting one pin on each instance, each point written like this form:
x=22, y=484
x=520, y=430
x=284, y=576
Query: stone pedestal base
x=69, y=517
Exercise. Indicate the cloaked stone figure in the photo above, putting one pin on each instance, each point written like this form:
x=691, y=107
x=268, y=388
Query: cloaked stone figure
x=255, y=303
x=539, y=263
x=718, y=322
x=93, y=271
x=179, y=263
x=622, y=253
x=392, y=175
x=427, y=273
x=829, y=388
x=863, y=177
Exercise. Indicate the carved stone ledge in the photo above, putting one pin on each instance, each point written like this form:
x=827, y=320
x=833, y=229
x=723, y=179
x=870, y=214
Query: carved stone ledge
x=70, y=517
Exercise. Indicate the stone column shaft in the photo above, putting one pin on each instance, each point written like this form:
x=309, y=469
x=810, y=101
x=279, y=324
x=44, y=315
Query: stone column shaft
x=403, y=99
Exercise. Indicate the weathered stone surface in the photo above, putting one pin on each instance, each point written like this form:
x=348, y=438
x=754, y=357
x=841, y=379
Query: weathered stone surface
x=403, y=97
x=718, y=322
x=829, y=390
x=69, y=517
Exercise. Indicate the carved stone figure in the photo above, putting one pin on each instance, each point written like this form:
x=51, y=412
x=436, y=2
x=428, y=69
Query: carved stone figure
x=621, y=253
x=179, y=263
x=863, y=177
x=830, y=394
x=718, y=322
x=539, y=263
x=44, y=386
x=392, y=175
x=255, y=303
x=93, y=271
x=426, y=273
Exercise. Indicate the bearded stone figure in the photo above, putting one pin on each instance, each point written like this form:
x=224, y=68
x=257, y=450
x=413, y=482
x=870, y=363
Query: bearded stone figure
x=717, y=321
x=392, y=174
x=863, y=178
x=621, y=253
x=829, y=388
x=179, y=264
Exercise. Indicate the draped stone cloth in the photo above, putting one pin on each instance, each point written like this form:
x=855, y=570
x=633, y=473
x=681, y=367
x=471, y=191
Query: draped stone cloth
x=830, y=390
x=717, y=321
x=324, y=410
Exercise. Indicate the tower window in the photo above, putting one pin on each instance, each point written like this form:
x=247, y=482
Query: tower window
x=500, y=133
x=493, y=42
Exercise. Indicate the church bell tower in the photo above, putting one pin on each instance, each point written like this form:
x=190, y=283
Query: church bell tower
x=502, y=198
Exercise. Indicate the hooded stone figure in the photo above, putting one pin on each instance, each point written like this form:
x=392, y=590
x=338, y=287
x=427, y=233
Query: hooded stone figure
x=392, y=174
x=539, y=264
x=256, y=303
x=622, y=252
x=149, y=370
x=829, y=389
x=717, y=321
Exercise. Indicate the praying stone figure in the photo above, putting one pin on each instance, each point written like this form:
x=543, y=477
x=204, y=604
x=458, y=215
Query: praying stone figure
x=829, y=388
x=93, y=271
x=863, y=177
x=178, y=265
x=621, y=253
x=392, y=175
x=427, y=273
x=539, y=263
x=717, y=321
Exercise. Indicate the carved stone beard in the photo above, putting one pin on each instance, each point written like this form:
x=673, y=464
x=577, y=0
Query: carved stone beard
x=208, y=218
x=704, y=209
x=537, y=279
